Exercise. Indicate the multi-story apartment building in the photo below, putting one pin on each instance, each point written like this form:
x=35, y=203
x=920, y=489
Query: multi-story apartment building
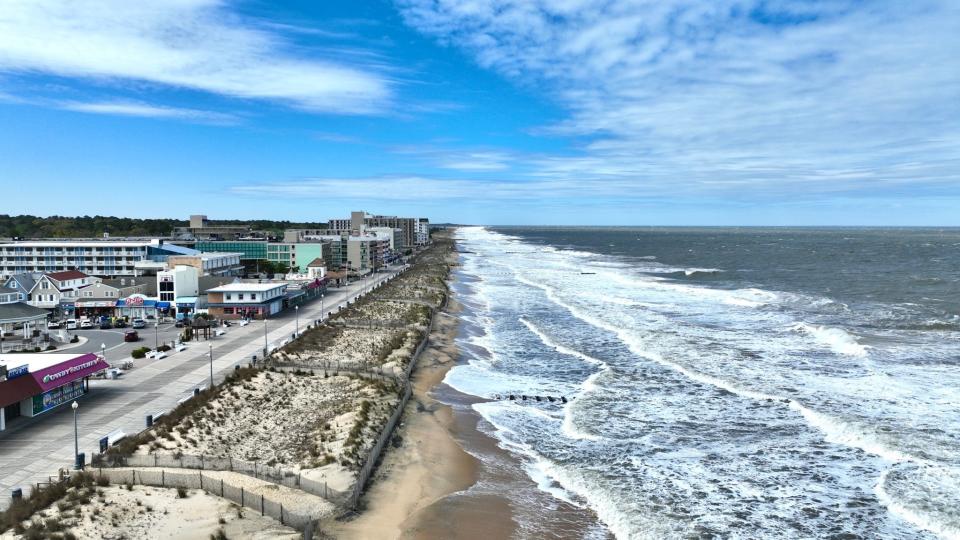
x=95, y=257
x=361, y=220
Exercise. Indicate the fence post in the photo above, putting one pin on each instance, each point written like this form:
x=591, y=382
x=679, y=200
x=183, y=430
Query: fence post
x=134, y=480
x=155, y=460
x=241, y=497
x=201, y=462
x=163, y=478
x=261, y=504
x=201, y=478
x=281, y=514
x=221, y=487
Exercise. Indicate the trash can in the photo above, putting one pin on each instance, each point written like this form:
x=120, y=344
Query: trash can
x=81, y=461
x=149, y=420
x=16, y=494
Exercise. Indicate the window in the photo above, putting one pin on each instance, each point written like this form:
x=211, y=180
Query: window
x=228, y=311
x=240, y=296
x=229, y=296
x=253, y=296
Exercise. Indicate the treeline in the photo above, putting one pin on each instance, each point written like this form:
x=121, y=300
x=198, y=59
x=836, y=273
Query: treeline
x=94, y=226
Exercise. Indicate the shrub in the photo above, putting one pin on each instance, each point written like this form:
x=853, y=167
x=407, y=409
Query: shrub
x=51, y=347
x=75, y=339
x=181, y=493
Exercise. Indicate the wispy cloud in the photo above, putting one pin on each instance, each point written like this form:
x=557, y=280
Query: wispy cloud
x=125, y=108
x=750, y=97
x=192, y=44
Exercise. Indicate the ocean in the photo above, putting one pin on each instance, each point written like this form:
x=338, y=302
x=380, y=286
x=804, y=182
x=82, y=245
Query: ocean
x=721, y=382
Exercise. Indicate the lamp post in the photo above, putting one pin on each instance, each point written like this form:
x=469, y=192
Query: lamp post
x=211, y=366
x=264, y=335
x=321, y=307
x=76, y=437
x=156, y=337
x=103, y=351
x=296, y=310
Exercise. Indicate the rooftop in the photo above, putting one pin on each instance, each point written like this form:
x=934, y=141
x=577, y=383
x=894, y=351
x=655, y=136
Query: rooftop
x=36, y=361
x=245, y=287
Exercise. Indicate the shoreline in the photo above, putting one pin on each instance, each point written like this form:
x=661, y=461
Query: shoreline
x=417, y=489
x=449, y=478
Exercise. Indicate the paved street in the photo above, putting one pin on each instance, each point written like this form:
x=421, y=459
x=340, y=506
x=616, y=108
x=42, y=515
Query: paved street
x=33, y=449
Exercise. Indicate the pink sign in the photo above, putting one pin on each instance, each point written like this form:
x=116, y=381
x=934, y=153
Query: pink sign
x=71, y=370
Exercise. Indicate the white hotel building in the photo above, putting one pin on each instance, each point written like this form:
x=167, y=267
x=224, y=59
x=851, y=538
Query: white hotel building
x=95, y=257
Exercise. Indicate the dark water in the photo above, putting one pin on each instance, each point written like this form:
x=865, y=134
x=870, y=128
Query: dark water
x=737, y=383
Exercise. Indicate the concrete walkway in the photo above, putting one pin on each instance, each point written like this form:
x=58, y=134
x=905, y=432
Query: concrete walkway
x=33, y=449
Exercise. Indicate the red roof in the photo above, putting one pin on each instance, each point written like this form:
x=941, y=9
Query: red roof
x=68, y=274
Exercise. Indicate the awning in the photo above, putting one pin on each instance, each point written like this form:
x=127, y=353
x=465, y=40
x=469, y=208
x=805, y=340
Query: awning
x=97, y=303
x=163, y=305
x=186, y=301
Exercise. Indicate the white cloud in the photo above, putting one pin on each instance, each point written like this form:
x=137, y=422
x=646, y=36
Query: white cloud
x=784, y=96
x=125, y=108
x=192, y=44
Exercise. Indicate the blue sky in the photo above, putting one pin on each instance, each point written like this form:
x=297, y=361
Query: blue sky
x=672, y=112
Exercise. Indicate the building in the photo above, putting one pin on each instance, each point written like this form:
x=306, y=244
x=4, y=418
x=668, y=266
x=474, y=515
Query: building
x=95, y=257
x=57, y=291
x=33, y=384
x=317, y=269
x=246, y=300
x=422, y=231
x=395, y=236
x=359, y=221
x=210, y=264
x=249, y=250
x=201, y=229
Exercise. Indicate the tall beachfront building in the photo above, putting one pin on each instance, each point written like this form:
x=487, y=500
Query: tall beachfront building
x=361, y=220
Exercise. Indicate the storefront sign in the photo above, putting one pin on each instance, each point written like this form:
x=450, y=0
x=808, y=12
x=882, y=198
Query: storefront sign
x=50, y=377
x=71, y=370
x=134, y=301
x=18, y=371
x=58, y=396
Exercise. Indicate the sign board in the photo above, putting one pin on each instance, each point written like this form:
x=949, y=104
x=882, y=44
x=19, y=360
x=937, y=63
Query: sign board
x=134, y=301
x=58, y=396
x=18, y=371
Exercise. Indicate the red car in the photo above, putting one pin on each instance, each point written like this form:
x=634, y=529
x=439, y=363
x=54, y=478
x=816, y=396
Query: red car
x=131, y=335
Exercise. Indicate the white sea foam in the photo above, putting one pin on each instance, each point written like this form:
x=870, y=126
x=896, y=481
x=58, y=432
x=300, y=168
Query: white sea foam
x=923, y=516
x=836, y=431
x=570, y=428
x=837, y=339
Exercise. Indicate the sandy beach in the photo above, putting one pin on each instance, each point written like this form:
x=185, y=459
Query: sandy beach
x=421, y=488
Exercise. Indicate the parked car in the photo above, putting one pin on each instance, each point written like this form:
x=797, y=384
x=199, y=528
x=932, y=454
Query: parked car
x=53, y=325
x=86, y=324
x=131, y=335
x=119, y=323
x=105, y=325
x=139, y=323
x=179, y=323
x=71, y=324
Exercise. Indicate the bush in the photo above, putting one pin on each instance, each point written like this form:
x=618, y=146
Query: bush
x=163, y=348
x=51, y=347
x=75, y=339
x=140, y=352
x=181, y=493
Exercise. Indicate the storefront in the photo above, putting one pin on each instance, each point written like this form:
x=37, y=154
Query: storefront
x=137, y=306
x=95, y=307
x=33, y=384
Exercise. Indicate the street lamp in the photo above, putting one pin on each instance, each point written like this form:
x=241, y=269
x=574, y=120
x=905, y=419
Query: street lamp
x=296, y=309
x=76, y=437
x=264, y=335
x=211, y=366
x=156, y=338
x=321, y=307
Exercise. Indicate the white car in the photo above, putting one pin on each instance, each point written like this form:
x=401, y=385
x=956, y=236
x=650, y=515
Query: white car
x=71, y=324
x=53, y=325
x=86, y=324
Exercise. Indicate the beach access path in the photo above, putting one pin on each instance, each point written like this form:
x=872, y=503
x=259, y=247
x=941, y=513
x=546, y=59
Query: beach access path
x=34, y=449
